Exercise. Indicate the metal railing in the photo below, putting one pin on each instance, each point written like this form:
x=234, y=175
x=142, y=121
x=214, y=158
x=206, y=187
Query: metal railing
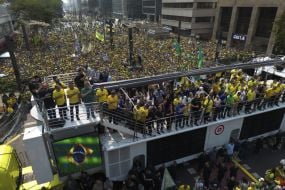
x=194, y=119
x=53, y=118
x=57, y=117
x=13, y=122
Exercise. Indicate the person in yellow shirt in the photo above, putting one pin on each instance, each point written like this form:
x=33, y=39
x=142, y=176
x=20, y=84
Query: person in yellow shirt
x=143, y=112
x=59, y=97
x=176, y=100
x=250, y=97
x=56, y=81
x=184, y=187
x=112, y=102
x=277, y=93
x=102, y=94
x=208, y=108
x=236, y=106
x=269, y=93
x=216, y=87
x=186, y=114
x=73, y=94
x=12, y=101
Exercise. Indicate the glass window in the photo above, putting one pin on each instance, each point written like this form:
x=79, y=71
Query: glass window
x=149, y=3
x=205, y=5
x=178, y=18
x=178, y=5
x=203, y=19
x=149, y=10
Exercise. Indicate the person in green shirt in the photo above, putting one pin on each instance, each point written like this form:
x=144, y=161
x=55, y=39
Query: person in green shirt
x=229, y=105
x=87, y=95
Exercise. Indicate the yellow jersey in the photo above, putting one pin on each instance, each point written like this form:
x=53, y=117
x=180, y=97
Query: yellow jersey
x=59, y=97
x=112, y=102
x=176, y=101
x=250, y=95
x=208, y=105
x=73, y=95
x=143, y=113
x=102, y=95
x=269, y=92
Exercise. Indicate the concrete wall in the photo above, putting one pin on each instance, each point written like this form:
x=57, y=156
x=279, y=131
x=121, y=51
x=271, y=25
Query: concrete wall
x=177, y=11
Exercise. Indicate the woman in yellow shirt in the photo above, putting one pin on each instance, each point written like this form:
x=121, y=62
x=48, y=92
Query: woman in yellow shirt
x=112, y=102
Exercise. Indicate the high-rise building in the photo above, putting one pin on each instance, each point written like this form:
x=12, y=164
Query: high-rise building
x=196, y=16
x=151, y=9
x=127, y=9
x=248, y=23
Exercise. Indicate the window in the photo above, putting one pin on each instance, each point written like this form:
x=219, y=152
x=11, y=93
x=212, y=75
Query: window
x=178, y=5
x=181, y=18
x=149, y=3
x=206, y=5
x=149, y=10
x=203, y=19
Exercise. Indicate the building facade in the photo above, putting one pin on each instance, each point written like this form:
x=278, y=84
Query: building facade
x=151, y=9
x=6, y=27
x=196, y=16
x=127, y=9
x=248, y=23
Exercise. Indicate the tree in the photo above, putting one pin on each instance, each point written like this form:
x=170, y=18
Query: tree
x=42, y=10
x=280, y=35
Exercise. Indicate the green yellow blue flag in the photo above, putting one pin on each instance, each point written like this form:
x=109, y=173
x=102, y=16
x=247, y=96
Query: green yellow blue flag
x=200, y=58
x=177, y=47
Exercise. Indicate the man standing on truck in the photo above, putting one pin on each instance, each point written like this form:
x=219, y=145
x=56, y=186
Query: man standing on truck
x=59, y=97
x=73, y=94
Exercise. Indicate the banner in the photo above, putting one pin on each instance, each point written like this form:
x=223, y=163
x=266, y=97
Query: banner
x=167, y=181
x=177, y=47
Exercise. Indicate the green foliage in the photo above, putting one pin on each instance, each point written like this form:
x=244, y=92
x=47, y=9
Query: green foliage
x=280, y=36
x=41, y=10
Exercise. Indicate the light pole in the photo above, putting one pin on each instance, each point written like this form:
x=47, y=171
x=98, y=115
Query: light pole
x=11, y=47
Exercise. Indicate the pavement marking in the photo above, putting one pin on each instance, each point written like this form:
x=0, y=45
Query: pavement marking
x=13, y=139
x=246, y=166
x=245, y=171
x=192, y=171
x=256, y=175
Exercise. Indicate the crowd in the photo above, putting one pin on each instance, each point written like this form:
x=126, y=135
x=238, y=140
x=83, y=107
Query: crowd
x=10, y=102
x=190, y=102
x=215, y=170
x=183, y=102
x=56, y=51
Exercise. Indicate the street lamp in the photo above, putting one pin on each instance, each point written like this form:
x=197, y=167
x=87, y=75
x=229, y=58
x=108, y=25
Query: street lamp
x=10, y=46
